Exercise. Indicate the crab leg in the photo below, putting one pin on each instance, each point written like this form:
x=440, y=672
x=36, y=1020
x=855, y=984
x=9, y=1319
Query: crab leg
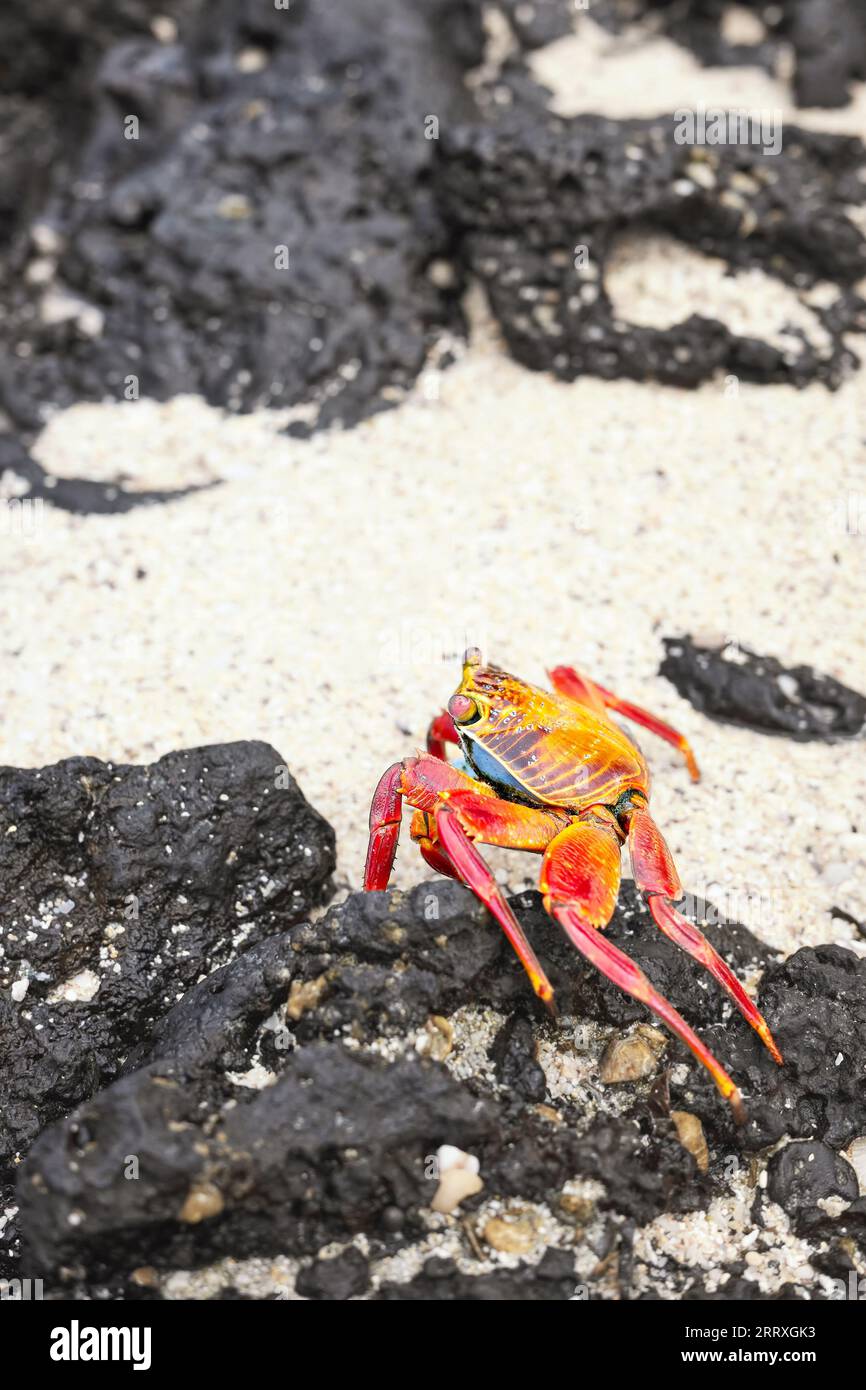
x=420, y=780
x=569, y=682
x=580, y=879
x=656, y=876
x=484, y=817
x=462, y=810
x=580, y=688
x=440, y=732
x=455, y=854
x=472, y=870
x=385, y=815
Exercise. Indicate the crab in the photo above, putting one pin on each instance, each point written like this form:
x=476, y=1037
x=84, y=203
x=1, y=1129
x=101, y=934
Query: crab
x=551, y=772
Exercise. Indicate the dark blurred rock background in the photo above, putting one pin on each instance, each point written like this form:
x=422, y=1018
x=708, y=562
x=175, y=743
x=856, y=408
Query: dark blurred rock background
x=280, y=207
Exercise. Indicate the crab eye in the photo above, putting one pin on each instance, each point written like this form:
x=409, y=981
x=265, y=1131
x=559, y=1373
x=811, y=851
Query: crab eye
x=463, y=710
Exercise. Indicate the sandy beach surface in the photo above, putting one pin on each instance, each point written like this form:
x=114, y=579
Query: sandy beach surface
x=321, y=596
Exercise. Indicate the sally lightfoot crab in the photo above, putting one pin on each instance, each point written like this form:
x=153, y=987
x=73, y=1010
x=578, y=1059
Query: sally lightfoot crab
x=551, y=772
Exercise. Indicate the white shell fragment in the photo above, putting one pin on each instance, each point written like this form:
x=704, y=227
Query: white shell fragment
x=856, y=1156
x=458, y=1178
x=78, y=989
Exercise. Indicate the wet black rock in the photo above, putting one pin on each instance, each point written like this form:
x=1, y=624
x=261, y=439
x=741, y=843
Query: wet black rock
x=214, y=1025
x=817, y=1001
x=387, y=960
x=340, y=1140
x=373, y=967
x=739, y=1290
x=81, y=496
x=61, y=41
x=542, y=22
x=643, y=1166
x=552, y=1279
x=264, y=235
x=698, y=25
x=806, y=1172
x=840, y=1241
x=271, y=231
x=121, y=887
x=829, y=39
x=46, y=94
x=344, y=1276
x=380, y=963
x=639, y=1161
x=337, y=1138
x=842, y=916
x=10, y=1253
x=826, y=37
x=815, y=1004
x=737, y=686
x=541, y=202
x=513, y=1053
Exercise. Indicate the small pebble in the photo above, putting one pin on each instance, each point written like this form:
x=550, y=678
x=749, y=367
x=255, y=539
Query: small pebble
x=692, y=1137
x=511, y=1235
x=304, y=995
x=202, y=1202
x=630, y=1057
x=437, y=1039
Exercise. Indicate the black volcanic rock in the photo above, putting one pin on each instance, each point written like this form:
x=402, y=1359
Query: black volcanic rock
x=373, y=967
x=291, y=218
x=738, y=1290
x=805, y=1172
x=213, y=1026
x=263, y=235
x=440, y=1281
x=344, y=1276
x=513, y=1053
x=541, y=200
x=81, y=496
x=338, y=1139
x=62, y=40
x=738, y=686
x=826, y=37
x=815, y=1004
x=639, y=1161
x=390, y=959
x=121, y=887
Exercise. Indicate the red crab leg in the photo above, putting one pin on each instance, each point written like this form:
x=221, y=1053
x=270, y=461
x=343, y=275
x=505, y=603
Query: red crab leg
x=432, y=855
x=579, y=880
x=469, y=810
x=423, y=832
x=504, y=823
x=385, y=815
x=441, y=731
x=656, y=876
x=484, y=817
x=473, y=871
x=568, y=681
x=420, y=780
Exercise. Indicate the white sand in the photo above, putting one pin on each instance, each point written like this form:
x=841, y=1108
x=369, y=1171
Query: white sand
x=641, y=75
x=655, y=280
x=322, y=597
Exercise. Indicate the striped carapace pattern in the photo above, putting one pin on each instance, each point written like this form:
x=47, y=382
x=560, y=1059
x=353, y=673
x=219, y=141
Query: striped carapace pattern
x=560, y=752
